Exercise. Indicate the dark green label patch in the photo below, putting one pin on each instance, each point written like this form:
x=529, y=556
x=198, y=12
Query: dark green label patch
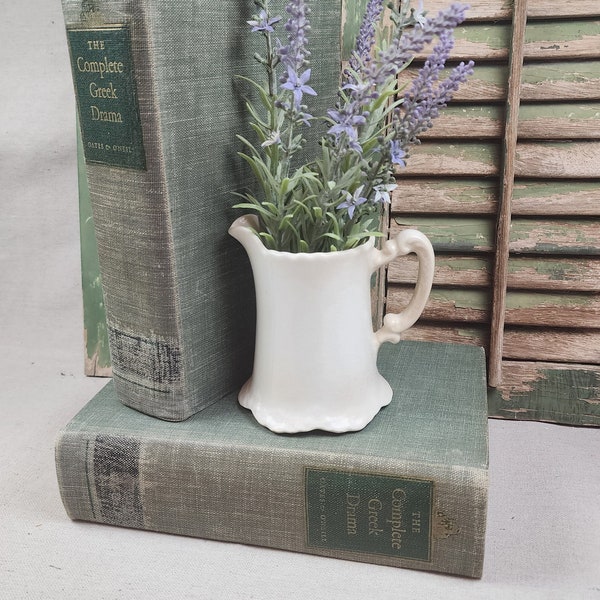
x=102, y=66
x=376, y=514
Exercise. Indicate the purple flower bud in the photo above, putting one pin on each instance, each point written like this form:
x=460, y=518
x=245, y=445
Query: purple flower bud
x=366, y=34
x=422, y=101
x=352, y=201
x=264, y=22
x=294, y=56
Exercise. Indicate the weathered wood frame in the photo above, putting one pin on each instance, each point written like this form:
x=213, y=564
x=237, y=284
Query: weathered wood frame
x=507, y=185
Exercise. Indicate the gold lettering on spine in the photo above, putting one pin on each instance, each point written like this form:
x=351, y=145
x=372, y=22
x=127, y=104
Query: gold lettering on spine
x=375, y=507
x=102, y=67
x=109, y=92
x=95, y=44
x=352, y=503
x=105, y=115
x=322, y=507
x=398, y=498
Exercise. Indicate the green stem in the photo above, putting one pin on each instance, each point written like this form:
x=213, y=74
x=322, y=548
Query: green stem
x=271, y=68
x=372, y=175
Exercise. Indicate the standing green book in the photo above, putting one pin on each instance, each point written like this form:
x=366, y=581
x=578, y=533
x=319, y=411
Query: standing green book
x=410, y=490
x=159, y=109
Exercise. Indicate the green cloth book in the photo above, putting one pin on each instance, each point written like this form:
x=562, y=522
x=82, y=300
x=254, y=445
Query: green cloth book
x=159, y=108
x=410, y=490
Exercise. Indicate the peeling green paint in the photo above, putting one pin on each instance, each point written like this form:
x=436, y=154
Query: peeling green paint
x=487, y=111
x=464, y=264
x=551, y=35
x=471, y=334
x=558, y=32
x=554, y=270
x=531, y=112
x=482, y=153
x=574, y=72
x=470, y=299
x=454, y=235
x=480, y=299
x=566, y=396
x=491, y=74
x=468, y=191
x=568, y=237
x=524, y=300
x=94, y=313
x=550, y=189
x=494, y=36
x=545, y=248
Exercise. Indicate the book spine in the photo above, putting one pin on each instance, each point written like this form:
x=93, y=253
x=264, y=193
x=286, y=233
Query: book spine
x=118, y=116
x=420, y=516
x=178, y=292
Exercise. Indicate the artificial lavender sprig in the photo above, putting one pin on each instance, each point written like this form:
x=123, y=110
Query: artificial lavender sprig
x=333, y=201
x=421, y=109
x=420, y=104
x=263, y=23
x=400, y=52
x=366, y=37
x=376, y=74
x=295, y=55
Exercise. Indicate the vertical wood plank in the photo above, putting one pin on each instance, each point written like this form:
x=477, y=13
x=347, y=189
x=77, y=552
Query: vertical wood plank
x=508, y=177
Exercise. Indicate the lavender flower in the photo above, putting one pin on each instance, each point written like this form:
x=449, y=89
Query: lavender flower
x=457, y=76
x=274, y=138
x=396, y=56
x=423, y=101
x=294, y=56
x=397, y=154
x=264, y=23
x=297, y=84
x=382, y=192
x=346, y=124
x=352, y=201
x=376, y=74
x=366, y=35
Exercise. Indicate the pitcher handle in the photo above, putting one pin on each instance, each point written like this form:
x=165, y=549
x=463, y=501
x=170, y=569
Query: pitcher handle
x=406, y=242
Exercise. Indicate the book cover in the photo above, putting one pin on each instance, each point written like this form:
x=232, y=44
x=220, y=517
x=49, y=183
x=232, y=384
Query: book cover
x=410, y=490
x=159, y=109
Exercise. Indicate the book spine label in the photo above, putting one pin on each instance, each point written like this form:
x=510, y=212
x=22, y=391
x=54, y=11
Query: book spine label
x=369, y=513
x=102, y=65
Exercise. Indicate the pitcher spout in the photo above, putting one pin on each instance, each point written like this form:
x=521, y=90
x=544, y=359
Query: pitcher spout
x=244, y=229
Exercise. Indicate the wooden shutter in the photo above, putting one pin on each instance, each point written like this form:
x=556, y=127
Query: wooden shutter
x=547, y=365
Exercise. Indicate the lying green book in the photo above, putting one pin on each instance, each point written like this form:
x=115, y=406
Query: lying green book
x=410, y=490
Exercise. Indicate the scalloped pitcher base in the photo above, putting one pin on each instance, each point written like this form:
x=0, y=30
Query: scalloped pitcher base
x=305, y=415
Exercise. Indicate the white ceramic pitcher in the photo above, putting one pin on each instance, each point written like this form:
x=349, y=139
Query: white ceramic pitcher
x=315, y=364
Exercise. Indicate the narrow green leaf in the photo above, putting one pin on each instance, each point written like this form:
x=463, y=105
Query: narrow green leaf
x=257, y=207
x=269, y=240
